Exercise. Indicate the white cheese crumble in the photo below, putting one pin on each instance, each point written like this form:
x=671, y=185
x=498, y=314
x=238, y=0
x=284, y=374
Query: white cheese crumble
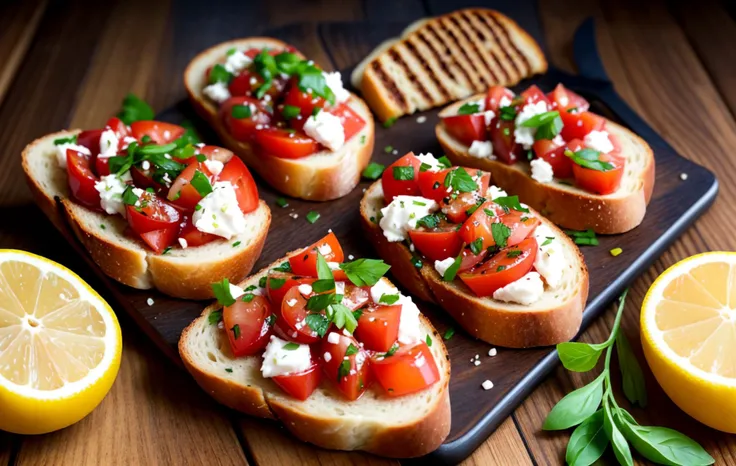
x=305, y=289
x=492, y=352
x=542, y=171
x=217, y=92
x=428, y=158
x=487, y=385
x=214, y=166
x=327, y=356
x=277, y=360
x=421, y=119
x=333, y=338
x=149, y=301
x=61, y=152
x=481, y=149
x=683, y=176
x=526, y=290
x=111, y=188
x=401, y=215
x=410, y=330
x=504, y=102
x=488, y=117
x=334, y=82
x=442, y=266
x=108, y=144
x=550, y=261
x=219, y=213
x=237, y=61
x=598, y=140
x=495, y=192
x=522, y=134
x=183, y=243
x=326, y=129
x=236, y=291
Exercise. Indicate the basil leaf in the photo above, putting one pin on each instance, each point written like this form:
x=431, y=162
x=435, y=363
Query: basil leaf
x=241, y=111
x=460, y=180
x=373, y=171
x=323, y=270
x=576, y=406
x=70, y=140
x=631, y=374
x=201, y=183
x=507, y=113
x=275, y=283
x=585, y=159
x=403, y=173
x=129, y=197
x=541, y=119
x=618, y=442
x=343, y=370
x=579, y=357
x=321, y=286
x=155, y=149
x=343, y=317
x=215, y=317
x=429, y=221
x=662, y=445
x=468, y=109
x=291, y=111
x=500, y=234
x=587, y=442
x=320, y=302
x=365, y=272
x=476, y=246
x=219, y=74
x=291, y=346
x=311, y=77
x=451, y=271
x=221, y=290
x=444, y=161
x=388, y=298
x=283, y=267
x=351, y=350
x=318, y=323
x=287, y=62
x=135, y=109
x=510, y=202
x=549, y=130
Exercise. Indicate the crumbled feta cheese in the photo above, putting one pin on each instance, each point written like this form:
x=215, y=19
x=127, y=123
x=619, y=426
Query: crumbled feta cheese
x=333, y=265
x=127, y=140
x=149, y=301
x=481, y=149
x=542, y=171
x=333, y=338
x=526, y=290
x=442, y=266
x=111, y=188
x=488, y=117
x=504, y=102
x=305, y=289
x=237, y=61
x=487, y=385
x=146, y=165
x=277, y=360
x=214, y=166
x=61, y=152
x=108, y=144
x=327, y=356
x=351, y=257
x=334, y=82
x=291, y=302
x=522, y=134
x=549, y=261
x=401, y=215
x=326, y=129
x=476, y=362
x=683, y=176
x=340, y=288
x=380, y=288
x=324, y=249
x=558, y=141
x=217, y=92
x=236, y=291
x=598, y=140
x=421, y=119
x=183, y=243
x=219, y=213
x=428, y=158
x=495, y=192
x=492, y=352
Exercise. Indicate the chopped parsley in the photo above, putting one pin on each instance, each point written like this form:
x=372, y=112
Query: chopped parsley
x=390, y=122
x=510, y=202
x=222, y=293
x=403, y=173
x=241, y=111
x=312, y=216
x=281, y=202
x=215, y=317
x=449, y=333
x=468, y=108
x=500, y=234
x=451, y=271
x=583, y=238
x=373, y=171
x=388, y=298
x=589, y=158
x=290, y=111
x=291, y=346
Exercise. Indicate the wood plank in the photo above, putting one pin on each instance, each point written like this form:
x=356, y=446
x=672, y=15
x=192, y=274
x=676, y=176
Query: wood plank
x=7, y=443
x=632, y=40
x=19, y=21
x=287, y=12
x=504, y=446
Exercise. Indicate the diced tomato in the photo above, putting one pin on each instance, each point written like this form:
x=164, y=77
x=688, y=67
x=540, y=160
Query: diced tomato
x=352, y=123
x=495, y=95
x=216, y=153
x=246, y=324
x=102, y=166
x=306, y=101
x=193, y=236
x=239, y=176
x=159, y=240
x=91, y=140
x=554, y=154
x=479, y=224
x=470, y=260
x=81, y=179
x=301, y=384
x=141, y=178
x=409, y=370
x=393, y=187
x=305, y=263
x=244, y=129
x=285, y=143
x=564, y=99
x=575, y=145
x=457, y=209
x=278, y=283
x=153, y=214
x=534, y=94
x=578, y=124
x=521, y=224
x=504, y=143
x=502, y=269
x=182, y=193
x=117, y=125
x=378, y=327
x=432, y=184
x=355, y=297
x=158, y=131
x=294, y=313
x=437, y=244
x=350, y=372
x=247, y=82
x=466, y=128
x=600, y=182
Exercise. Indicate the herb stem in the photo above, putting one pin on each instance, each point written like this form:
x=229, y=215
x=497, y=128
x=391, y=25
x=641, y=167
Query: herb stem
x=616, y=322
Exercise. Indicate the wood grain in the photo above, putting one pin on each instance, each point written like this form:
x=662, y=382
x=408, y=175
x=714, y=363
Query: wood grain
x=18, y=21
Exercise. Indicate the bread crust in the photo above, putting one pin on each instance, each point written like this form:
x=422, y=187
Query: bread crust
x=131, y=262
x=396, y=441
x=497, y=323
x=574, y=209
x=320, y=177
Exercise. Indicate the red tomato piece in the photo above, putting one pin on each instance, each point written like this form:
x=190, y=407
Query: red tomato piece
x=246, y=324
x=401, y=187
x=285, y=144
x=409, y=370
x=244, y=129
x=437, y=244
x=352, y=123
x=159, y=240
x=306, y=101
x=182, y=193
x=81, y=179
x=495, y=95
x=554, y=154
x=521, y=224
x=600, y=182
x=305, y=263
x=504, y=143
x=564, y=99
x=501, y=269
x=432, y=184
x=117, y=125
x=278, y=283
x=351, y=374
x=378, y=327
x=159, y=131
x=355, y=297
x=534, y=94
x=239, y=176
x=102, y=166
x=152, y=213
x=466, y=128
x=91, y=140
x=294, y=313
x=578, y=124
x=193, y=236
x=301, y=384
x=478, y=225
x=470, y=260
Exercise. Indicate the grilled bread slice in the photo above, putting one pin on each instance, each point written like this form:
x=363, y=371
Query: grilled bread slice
x=401, y=427
x=566, y=205
x=555, y=318
x=443, y=59
x=182, y=273
x=321, y=176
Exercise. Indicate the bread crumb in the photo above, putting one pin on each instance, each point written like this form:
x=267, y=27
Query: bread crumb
x=487, y=385
x=492, y=352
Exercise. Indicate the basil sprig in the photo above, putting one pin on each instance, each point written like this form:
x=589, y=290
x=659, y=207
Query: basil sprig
x=468, y=109
x=548, y=124
x=309, y=77
x=589, y=158
x=135, y=109
x=601, y=421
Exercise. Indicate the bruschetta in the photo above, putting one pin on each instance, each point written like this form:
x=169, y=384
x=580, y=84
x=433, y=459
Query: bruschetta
x=581, y=170
x=294, y=124
x=506, y=274
x=153, y=207
x=446, y=58
x=329, y=348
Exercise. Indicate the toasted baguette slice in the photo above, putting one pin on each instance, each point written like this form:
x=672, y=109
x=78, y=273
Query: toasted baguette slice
x=182, y=273
x=439, y=60
x=566, y=205
x=322, y=176
x=553, y=319
x=401, y=427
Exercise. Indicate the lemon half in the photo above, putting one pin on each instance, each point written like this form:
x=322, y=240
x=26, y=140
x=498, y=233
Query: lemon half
x=60, y=345
x=688, y=332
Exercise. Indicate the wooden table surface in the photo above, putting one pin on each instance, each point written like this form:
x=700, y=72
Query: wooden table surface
x=69, y=65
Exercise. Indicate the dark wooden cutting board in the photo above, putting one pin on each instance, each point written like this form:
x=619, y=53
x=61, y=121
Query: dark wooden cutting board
x=675, y=204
